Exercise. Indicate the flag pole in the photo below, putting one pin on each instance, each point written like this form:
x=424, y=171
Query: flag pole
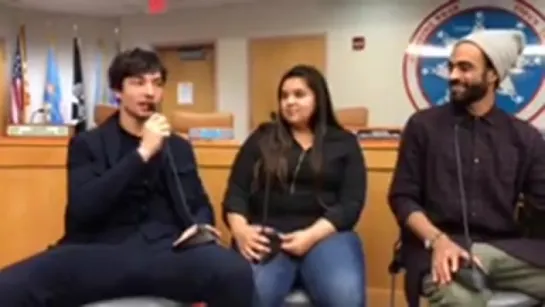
x=24, y=72
x=14, y=92
x=117, y=40
x=79, y=103
x=112, y=98
x=102, y=93
x=75, y=107
x=47, y=108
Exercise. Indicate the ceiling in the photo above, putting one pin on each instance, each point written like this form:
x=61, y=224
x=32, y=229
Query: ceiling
x=111, y=7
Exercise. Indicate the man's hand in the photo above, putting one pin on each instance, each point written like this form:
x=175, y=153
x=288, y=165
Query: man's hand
x=446, y=259
x=156, y=129
x=189, y=232
x=298, y=242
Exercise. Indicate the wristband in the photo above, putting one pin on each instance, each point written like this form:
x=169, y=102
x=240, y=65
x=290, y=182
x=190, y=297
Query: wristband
x=144, y=153
x=428, y=244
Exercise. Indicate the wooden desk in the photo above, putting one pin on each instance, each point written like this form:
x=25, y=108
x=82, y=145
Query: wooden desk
x=33, y=180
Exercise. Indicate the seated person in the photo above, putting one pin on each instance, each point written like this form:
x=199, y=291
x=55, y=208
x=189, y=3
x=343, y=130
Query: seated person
x=470, y=154
x=124, y=213
x=317, y=178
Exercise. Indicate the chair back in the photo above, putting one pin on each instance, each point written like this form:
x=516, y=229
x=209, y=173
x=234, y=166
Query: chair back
x=183, y=121
x=354, y=118
x=103, y=112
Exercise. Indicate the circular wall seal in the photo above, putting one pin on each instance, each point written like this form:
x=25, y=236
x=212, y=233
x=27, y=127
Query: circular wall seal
x=425, y=64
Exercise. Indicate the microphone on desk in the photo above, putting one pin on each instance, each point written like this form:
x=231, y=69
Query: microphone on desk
x=35, y=113
x=202, y=234
x=469, y=274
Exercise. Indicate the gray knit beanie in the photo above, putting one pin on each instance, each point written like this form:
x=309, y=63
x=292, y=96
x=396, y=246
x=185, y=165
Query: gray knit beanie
x=503, y=47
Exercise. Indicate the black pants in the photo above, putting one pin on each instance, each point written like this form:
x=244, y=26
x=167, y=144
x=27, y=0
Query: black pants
x=71, y=275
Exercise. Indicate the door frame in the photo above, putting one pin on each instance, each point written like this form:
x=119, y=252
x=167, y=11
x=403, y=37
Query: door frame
x=195, y=43
x=249, y=64
x=6, y=86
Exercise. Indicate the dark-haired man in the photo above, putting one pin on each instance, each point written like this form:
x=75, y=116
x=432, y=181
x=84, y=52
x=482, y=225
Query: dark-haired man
x=471, y=151
x=125, y=212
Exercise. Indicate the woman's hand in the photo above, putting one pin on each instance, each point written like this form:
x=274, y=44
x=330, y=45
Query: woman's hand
x=298, y=242
x=251, y=242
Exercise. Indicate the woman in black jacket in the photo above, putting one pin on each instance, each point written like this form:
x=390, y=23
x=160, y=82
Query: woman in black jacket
x=302, y=177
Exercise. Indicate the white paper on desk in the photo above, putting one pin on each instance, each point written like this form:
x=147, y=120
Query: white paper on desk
x=185, y=93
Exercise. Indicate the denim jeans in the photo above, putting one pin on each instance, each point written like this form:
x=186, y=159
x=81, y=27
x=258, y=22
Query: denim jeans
x=332, y=273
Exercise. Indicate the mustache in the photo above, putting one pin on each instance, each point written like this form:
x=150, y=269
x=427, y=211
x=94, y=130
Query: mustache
x=454, y=82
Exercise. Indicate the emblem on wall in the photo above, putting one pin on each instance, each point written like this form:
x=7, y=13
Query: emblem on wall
x=425, y=64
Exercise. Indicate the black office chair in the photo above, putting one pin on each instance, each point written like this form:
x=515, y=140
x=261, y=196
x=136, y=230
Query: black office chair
x=297, y=298
x=499, y=299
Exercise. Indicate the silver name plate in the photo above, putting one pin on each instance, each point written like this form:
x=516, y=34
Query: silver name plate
x=38, y=131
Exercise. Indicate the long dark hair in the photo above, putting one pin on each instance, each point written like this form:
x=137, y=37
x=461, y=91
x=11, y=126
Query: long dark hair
x=277, y=140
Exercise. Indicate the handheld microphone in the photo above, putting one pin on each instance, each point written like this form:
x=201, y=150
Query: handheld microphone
x=35, y=113
x=273, y=236
x=469, y=274
x=202, y=234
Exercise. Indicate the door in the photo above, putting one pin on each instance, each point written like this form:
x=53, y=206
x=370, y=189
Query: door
x=269, y=59
x=191, y=83
x=4, y=86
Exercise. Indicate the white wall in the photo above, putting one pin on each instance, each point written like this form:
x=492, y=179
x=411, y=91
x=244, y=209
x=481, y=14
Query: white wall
x=372, y=78
x=41, y=30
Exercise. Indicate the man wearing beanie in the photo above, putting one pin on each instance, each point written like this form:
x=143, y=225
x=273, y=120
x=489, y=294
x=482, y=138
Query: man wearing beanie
x=469, y=160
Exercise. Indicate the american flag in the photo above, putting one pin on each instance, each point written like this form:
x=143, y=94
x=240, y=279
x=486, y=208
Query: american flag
x=17, y=87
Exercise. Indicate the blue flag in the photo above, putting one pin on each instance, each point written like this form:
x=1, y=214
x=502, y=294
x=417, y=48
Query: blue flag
x=113, y=100
x=52, y=92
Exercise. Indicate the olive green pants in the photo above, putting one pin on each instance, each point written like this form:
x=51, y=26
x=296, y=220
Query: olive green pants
x=505, y=272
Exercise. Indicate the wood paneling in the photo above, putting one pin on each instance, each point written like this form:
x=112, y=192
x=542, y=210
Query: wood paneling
x=32, y=176
x=269, y=59
x=33, y=180
x=199, y=72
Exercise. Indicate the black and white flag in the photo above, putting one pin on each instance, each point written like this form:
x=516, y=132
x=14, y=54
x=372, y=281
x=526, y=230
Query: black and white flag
x=79, y=112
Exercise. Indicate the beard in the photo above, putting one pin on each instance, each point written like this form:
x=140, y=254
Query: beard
x=469, y=94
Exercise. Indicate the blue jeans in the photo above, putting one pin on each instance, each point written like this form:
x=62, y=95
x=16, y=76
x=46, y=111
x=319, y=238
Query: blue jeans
x=332, y=273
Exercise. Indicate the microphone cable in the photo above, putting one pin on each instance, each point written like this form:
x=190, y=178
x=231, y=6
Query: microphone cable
x=394, y=268
x=179, y=187
x=463, y=199
x=265, y=215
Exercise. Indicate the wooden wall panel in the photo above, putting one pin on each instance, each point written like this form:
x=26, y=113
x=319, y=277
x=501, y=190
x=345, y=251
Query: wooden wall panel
x=33, y=180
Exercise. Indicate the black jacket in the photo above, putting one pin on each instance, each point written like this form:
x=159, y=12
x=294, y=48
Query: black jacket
x=97, y=177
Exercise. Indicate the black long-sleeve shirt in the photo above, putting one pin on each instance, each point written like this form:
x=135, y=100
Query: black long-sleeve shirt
x=501, y=158
x=339, y=200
